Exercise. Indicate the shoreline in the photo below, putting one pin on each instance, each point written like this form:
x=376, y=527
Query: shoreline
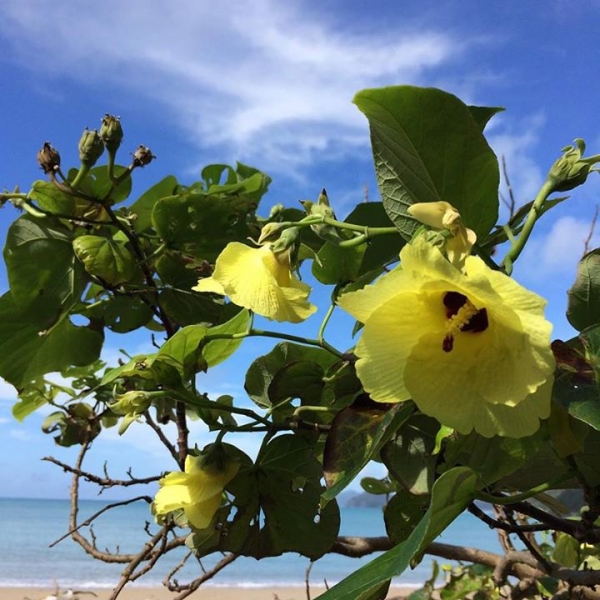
x=205, y=593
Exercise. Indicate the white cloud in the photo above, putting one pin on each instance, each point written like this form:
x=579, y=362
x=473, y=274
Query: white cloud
x=516, y=142
x=556, y=254
x=265, y=79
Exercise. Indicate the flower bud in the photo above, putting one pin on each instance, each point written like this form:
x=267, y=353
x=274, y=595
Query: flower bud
x=269, y=232
x=443, y=216
x=289, y=239
x=111, y=133
x=48, y=158
x=142, y=156
x=571, y=170
x=91, y=147
x=131, y=403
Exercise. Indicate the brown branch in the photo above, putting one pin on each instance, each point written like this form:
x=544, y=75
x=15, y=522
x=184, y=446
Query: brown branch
x=105, y=481
x=89, y=520
x=520, y=564
x=162, y=437
x=510, y=203
x=588, y=239
x=189, y=588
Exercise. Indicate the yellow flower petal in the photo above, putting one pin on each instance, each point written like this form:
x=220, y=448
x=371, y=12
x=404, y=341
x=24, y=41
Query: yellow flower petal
x=259, y=280
x=471, y=347
x=198, y=491
x=201, y=514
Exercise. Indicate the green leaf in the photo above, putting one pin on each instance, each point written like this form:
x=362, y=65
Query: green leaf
x=381, y=249
x=402, y=513
x=110, y=260
x=451, y=494
x=583, y=309
x=335, y=264
x=483, y=114
x=428, y=146
x=144, y=205
x=29, y=401
x=202, y=219
x=51, y=199
x=576, y=386
x=180, y=303
x=409, y=456
x=43, y=273
x=27, y=352
x=285, y=481
x=98, y=185
x=121, y=314
x=356, y=435
x=264, y=369
x=183, y=350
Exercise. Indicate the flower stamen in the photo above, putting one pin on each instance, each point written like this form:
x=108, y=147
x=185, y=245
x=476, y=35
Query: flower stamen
x=461, y=315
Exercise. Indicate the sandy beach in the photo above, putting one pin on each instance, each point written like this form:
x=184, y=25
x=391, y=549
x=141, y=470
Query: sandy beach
x=207, y=593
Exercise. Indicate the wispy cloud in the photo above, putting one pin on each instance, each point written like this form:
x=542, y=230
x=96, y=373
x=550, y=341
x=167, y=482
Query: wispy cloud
x=266, y=79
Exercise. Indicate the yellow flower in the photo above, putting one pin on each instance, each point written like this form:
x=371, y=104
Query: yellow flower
x=442, y=215
x=470, y=347
x=260, y=280
x=198, y=491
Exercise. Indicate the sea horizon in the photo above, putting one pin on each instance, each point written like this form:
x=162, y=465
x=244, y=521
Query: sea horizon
x=29, y=525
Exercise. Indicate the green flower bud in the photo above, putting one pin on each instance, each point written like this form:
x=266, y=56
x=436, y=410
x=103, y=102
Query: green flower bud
x=142, y=156
x=276, y=211
x=131, y=403
x=322, y=208
x=571, y=170
x=91, y=147
x=288, y=245
x=48, y=158
x=111, y=132
x=270, y=232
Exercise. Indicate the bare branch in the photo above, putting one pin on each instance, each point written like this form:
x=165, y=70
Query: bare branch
x=106, y=481
x=588, y=239
x=89, y=520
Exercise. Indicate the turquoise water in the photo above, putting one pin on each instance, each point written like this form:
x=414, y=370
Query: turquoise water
x=27, y=527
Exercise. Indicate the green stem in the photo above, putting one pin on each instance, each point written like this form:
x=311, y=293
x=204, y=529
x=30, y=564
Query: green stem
x=507, y=500
x=518, y=245
x=321, y=333
x=199, y=402
x=26, y=205
x=83, y=171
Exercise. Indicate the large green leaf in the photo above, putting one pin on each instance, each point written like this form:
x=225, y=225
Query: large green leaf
x=409, y=456
x=185, y=352
x=356, y=436
x=264, y=369
x=276, y=506
x=52, y=199
x=451, y=494
x=428, y=146
x=576, y=385
x=204, y=217
x=180, y=303
x=583, y=309
x=27, y=352
x=142, y=208
x=335, y=264
x=381, y=249
x=43, y=273
x=110, y=260
x=98, y=185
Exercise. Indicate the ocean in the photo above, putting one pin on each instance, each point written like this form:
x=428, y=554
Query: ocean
x=28, y=527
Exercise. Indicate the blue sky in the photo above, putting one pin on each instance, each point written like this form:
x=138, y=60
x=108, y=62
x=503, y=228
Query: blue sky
x=270, y=84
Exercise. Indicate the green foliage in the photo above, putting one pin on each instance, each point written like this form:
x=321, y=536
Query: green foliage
x=428, y=146
x=86, y=259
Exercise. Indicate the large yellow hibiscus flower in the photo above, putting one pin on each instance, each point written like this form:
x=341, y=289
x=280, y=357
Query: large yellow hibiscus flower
x=470, y=346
